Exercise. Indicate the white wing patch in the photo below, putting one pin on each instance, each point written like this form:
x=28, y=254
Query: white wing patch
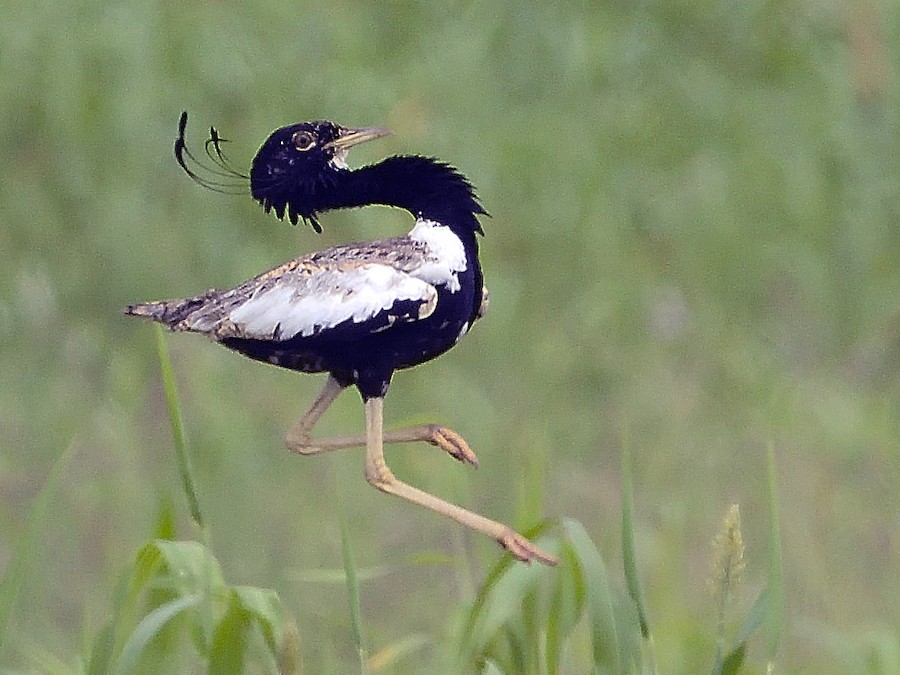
x=447, y=256
x=329, y=298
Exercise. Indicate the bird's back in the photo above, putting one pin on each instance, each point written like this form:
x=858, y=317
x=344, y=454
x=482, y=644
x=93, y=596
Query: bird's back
x=381, y=305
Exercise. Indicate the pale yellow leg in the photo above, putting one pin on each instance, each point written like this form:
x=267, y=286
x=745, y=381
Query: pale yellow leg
x=299, y=440
x=379, y=475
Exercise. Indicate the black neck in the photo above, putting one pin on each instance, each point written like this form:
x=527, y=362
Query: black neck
x=426, y=188
x=423, y=186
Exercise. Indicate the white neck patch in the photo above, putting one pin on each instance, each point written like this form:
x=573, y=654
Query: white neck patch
x=339, y=161
x=446, y=254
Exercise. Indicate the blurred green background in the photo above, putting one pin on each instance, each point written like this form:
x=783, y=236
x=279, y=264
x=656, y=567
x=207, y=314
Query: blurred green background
x=694, y=245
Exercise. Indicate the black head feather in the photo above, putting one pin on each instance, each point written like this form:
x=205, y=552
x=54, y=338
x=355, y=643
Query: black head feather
x=293, y=167
x=301, y=171
x=286, y=173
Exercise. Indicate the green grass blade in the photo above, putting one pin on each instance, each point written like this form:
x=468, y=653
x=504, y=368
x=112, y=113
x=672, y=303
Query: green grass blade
x=629, y=557
x=191, y=567
x=174, y=406
x=496, y=603
x=604, y=629
x=230, y=638
x=161, y=567
x=101, y=654
x=775, y=587
x=498, y=621
x=147, y=564
x=263, y=605
x=735, y=659
x=149, y=628
x=24, y=552
x=352, y=578
x=629, y=553
x=755, y=617
x=353, y=596
x=566, y=605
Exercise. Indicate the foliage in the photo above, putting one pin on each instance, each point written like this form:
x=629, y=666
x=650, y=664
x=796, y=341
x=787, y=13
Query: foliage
x=175, y=594
x=693, y=235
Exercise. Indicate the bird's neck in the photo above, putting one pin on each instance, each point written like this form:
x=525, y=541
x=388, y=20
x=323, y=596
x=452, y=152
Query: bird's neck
x=435, y=194
x=428, y=189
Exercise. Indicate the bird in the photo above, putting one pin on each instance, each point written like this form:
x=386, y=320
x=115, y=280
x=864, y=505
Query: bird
x=358, y=312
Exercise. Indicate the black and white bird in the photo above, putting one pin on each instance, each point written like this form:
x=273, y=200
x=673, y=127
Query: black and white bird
x=358, y=312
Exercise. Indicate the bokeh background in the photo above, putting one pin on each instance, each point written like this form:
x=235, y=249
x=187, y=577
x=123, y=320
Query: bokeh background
x=694, y=249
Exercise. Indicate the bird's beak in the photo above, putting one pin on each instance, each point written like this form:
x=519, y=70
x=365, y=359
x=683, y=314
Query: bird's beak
x=350, y=137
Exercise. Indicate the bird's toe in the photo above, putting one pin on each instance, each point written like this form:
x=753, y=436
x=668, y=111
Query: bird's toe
x=522, y=549
x=452, y=443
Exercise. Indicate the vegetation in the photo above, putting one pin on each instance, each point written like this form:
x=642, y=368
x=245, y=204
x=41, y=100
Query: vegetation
x=693, y=263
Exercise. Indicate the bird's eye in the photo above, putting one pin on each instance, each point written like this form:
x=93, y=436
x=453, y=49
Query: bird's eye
x=303, y=140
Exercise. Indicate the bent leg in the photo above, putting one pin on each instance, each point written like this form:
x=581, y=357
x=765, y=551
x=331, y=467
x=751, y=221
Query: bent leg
x=380, y=476
x=300, y=441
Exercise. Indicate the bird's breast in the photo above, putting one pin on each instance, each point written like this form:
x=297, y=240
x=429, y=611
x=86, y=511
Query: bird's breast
x=445, y=256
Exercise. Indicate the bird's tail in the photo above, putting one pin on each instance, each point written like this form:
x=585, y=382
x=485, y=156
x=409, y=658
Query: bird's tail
x=171, y=313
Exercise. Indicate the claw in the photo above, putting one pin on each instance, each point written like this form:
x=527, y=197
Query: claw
x=522, y=549
x=452, y=443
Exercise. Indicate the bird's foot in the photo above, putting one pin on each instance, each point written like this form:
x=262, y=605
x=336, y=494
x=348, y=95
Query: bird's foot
x=522, y=549
x=452, y=443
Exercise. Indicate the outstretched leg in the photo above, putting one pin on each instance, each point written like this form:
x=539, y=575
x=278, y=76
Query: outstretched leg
x=379, y=475
x=299, y=440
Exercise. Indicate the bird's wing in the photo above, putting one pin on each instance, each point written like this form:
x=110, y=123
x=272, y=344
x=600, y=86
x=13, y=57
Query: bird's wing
x=306, y=301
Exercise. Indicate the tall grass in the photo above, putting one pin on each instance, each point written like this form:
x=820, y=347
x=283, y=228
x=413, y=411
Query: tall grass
x=352, y=580
x=524, y=619
x=176, y=610
x=24, y=553
x=693, y=229
x=178, y=436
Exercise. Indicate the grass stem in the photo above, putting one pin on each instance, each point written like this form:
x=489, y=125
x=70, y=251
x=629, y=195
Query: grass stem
x=178, y=435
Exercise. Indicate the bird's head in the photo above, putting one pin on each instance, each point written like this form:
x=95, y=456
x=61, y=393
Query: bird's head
x=291, y=170
x=296, y=162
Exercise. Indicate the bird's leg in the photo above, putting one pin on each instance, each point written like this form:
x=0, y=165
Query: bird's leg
x=299, y=440
x=379, y=475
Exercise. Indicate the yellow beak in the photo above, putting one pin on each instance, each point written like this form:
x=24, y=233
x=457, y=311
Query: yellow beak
x=350, y=137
